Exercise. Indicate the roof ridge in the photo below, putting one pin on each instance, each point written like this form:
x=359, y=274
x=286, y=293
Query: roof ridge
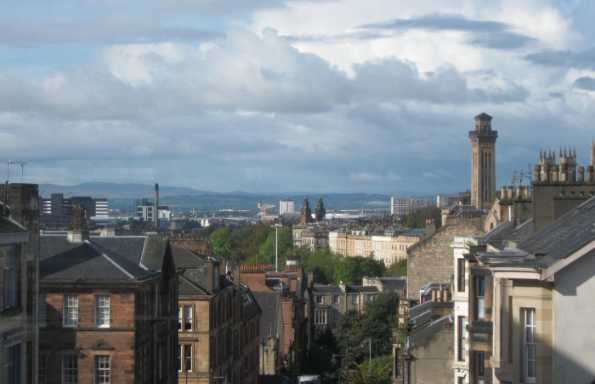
x=113, y=257
x=192, y=283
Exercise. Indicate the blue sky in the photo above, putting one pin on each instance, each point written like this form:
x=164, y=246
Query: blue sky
x=274, y=95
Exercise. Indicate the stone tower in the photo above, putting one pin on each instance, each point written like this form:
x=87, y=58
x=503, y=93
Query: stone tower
x=483, y=168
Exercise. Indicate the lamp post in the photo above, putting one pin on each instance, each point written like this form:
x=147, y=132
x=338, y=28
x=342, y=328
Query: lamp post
x=369, y=357
x=277, y=225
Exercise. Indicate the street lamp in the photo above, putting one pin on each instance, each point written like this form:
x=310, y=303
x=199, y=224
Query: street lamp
x=277, y=225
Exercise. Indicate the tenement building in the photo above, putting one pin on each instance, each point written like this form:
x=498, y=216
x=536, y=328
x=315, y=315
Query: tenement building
x=284, y=323
x=19, y=228
x=107, y=309
x=218, y=323
x=386, y=248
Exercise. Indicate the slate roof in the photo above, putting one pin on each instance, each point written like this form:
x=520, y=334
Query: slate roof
x=9, y=226
x=427, y=332
x=502, y=235
x=194, y=272
x=392, y=284
x=326, y=289
x=570, y=232
x=98, y=259
x=269, y=303
x=360, y=288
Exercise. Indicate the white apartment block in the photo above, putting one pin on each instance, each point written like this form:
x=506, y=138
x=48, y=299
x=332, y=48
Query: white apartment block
x=460, y=296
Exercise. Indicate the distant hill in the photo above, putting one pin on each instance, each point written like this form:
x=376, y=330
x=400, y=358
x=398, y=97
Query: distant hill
x=115, y=190
x=122, y=196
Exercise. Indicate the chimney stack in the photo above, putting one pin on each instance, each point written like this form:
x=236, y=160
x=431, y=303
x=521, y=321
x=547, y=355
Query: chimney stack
x=79, y=232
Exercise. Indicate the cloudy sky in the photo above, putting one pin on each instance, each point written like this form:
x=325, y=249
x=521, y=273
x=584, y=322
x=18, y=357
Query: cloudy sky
x=280, y=95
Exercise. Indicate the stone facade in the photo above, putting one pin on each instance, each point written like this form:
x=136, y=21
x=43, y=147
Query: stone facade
x=386, y=249
x=218, y=324
x=430, y=260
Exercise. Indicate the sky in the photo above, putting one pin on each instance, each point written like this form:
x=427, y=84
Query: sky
x=304, y=95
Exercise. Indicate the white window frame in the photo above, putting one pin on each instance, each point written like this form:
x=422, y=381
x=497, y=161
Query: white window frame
x=70, y=313
x=98, y=369
x=321, y=317
x=183, y=367
x=188, y=318
x=480, y=285
x=69, y=371
x=180, y=318
x=528, y=344
x=461, y=338
x=103, y=312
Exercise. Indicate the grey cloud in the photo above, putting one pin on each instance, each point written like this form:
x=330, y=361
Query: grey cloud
x=98, y=31
x=394, y=79
x=585, y=83
x=484, y=33
x=243, y=73
x=440, y=22
x=573, y=59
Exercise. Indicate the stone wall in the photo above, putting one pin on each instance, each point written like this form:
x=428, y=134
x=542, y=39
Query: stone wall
x=431, y=259
x=432, y=360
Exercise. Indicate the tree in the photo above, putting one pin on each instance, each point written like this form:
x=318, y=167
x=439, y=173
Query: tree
x=266, y=252
x=320, y=211
x=351, y=270
x=398, y=268
x=418, y=218
x=355, y=331
x=378, y=371
x=322, y=263
x=221, y=242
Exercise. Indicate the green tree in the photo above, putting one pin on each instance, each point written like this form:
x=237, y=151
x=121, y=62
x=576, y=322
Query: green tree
x=355, y=331
x=221, y=242
x=266, y=252
x=378, y=371
x=247, y=240
x=418, y=218
x=351, y=270
x=398, y=268
x=322, y=263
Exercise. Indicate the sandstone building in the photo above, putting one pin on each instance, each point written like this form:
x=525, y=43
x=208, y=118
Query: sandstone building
x=107, y=309
x=284, y=326
x=386, y=248
x=218, y=323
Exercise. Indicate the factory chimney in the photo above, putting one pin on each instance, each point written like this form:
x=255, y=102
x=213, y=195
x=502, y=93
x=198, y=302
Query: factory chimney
x=156, y=209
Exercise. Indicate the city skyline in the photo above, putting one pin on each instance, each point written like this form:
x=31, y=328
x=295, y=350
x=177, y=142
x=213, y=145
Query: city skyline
x=275, y=96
